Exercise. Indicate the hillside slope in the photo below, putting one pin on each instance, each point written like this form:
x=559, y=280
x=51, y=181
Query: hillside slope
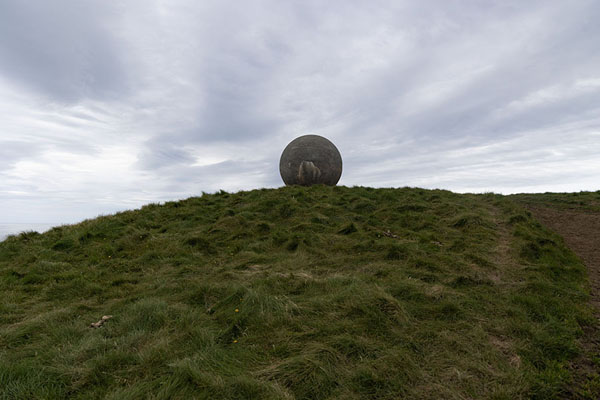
x=576, y=217
x=295, y=293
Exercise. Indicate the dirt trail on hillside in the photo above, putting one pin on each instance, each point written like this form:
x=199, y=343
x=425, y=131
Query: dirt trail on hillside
x=581, y=231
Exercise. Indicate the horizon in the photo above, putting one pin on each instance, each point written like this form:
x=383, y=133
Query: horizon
x=14, y=228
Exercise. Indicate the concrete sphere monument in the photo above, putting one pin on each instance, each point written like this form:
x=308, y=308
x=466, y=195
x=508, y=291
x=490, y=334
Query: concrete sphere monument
x=310, y=160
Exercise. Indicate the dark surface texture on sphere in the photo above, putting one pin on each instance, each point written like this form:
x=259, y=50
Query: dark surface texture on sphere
x=310, y=160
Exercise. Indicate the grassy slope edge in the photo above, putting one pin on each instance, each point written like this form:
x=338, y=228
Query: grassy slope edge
x=294, y=293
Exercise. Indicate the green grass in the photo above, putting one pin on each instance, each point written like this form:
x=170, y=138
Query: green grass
x=294, y=293
x=589, y=201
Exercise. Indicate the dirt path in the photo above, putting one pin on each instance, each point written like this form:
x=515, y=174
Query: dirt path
x=581, y=231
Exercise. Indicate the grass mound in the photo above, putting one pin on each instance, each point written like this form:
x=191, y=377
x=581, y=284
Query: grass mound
x=294, y=293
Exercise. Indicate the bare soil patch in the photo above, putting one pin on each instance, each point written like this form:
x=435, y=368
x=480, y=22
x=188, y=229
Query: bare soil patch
x=581, y=231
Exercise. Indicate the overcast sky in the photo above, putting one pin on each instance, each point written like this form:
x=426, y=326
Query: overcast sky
x=108, y=105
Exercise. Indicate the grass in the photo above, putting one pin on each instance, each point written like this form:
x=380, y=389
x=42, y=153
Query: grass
x=294, y=293
x=588, y=201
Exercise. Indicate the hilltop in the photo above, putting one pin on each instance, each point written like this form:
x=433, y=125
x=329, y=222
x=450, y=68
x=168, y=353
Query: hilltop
x=297, y=293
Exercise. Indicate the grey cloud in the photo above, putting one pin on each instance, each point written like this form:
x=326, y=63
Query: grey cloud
x=159, y=154
x=64, y=49
x=13, y=151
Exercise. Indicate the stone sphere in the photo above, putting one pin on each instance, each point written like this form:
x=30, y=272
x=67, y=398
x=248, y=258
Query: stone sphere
x=310, y=160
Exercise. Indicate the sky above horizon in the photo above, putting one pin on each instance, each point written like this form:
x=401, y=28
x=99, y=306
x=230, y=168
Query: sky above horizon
x=106, y=106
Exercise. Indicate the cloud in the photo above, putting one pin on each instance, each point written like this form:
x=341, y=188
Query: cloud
x=62, y=49
x=107, y=106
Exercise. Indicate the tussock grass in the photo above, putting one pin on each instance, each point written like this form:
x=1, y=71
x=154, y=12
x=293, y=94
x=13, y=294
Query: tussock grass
x=589, y=201
x=294, y=293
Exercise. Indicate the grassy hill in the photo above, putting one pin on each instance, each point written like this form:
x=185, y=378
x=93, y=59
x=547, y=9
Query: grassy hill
x=295, y=293
x=584, y=201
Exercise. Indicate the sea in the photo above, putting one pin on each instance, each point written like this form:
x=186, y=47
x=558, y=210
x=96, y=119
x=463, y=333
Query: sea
x=14, y=229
